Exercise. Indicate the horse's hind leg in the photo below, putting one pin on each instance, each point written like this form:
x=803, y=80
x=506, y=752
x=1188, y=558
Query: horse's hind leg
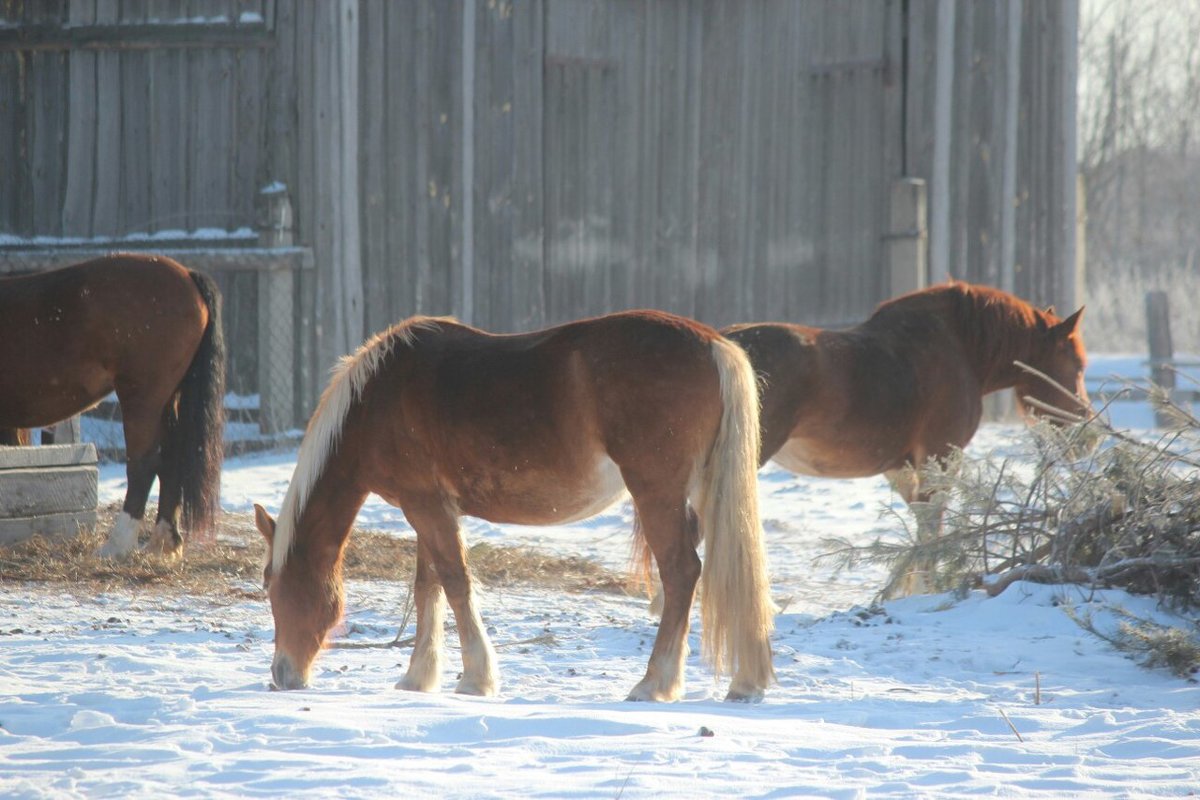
x=166, y=539
x=139, y=474
x=425, y=668
x=438, y=534
x=668, y=533
x=656, y=602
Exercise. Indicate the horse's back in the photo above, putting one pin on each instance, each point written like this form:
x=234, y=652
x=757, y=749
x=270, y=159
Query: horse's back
x=68, y=335
x=539, y=426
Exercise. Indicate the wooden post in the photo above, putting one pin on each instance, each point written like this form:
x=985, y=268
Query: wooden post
x=908, y=237
x=1162, y=351
x=276, y=359
x=68, y=431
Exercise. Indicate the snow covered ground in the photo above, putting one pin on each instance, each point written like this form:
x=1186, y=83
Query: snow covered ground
x=124, y=695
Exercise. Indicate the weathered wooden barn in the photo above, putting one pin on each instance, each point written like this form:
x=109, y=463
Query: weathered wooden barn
x=341, y=165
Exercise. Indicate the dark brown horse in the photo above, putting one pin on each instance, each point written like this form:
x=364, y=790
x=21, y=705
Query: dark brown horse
x=444, y=420
x=907, y=385
x=148, y=329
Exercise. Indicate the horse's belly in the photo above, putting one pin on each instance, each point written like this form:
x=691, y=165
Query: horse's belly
x=836, y=461
x=603, y=489
x=535, y=497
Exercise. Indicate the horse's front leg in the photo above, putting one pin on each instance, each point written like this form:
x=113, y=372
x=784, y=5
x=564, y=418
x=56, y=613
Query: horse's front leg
x=917, y=573
x=437, y=526
x=425, y=668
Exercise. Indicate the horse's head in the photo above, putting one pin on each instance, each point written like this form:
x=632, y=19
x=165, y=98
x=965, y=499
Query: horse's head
x=304, y=607
x=1057, y=352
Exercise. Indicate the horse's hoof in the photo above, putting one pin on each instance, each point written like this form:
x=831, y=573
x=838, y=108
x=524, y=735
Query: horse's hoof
x=122, y=539
x=404, y=684
x=644, y=694
x=165, y=542
x=744, y=696
x=112, y=551
x=166, y=548
x=476, y=689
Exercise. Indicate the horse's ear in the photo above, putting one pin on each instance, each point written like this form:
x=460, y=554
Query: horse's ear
x=1050, y=310
x=265, y=523
x=1071, y=324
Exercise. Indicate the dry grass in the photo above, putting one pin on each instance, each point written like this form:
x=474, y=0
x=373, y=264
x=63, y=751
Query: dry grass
x=232, y=567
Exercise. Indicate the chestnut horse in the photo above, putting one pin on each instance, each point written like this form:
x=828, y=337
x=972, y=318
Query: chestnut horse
x=443, y=420
x=148, y=329
x=907, y=385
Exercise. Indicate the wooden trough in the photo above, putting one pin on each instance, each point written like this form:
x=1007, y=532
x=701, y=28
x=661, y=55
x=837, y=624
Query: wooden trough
x=51, y=490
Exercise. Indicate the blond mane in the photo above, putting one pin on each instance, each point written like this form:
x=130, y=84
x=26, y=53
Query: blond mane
x=348, y=379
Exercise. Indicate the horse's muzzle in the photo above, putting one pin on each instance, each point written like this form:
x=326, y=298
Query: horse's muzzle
x=285, y=676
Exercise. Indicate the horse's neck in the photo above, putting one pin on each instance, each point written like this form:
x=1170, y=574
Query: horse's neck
x=994, y=336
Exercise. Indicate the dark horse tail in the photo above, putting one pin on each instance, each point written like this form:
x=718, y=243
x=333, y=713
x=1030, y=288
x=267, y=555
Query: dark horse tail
x=195, y=435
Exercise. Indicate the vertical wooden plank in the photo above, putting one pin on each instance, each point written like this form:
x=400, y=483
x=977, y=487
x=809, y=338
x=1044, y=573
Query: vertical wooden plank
x=373, y=49
x=170, y=129
x=13, y=174
x=249, y=102
x=1008, y=191
x=464, y=184
x=403, y=188
x=347, y=286
x=210, y=155
x=939, y=190
x=528, y=302
x=495, y=181
x=423, y=195
x=447, y=147
x=81, y=131
x=1070, y=283
x=136, y=145
x=645, y=279
x=438, y=143
x=47, y=121
x=804, y=274
x=107, y=200
x=962, y=101
x=713, y=156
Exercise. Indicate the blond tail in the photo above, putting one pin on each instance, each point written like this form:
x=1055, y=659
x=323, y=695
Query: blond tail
x=736, y=608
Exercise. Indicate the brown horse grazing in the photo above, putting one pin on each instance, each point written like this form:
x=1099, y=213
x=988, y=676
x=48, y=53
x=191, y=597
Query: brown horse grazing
x=149, y=329
x=443, y=420
x=906, y=385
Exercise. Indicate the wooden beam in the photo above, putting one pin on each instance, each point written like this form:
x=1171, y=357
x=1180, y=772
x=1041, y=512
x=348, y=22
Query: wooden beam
x=217, y=259
x=140, y=36
x=69, y=524
x=48, y=490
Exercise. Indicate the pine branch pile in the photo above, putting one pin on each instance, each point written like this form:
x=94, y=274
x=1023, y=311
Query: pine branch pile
x=1084, y=504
